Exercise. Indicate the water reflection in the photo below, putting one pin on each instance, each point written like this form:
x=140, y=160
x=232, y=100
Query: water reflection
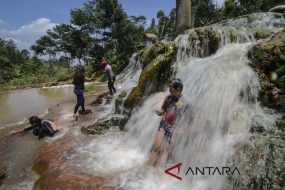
x=4, y=106
x=16, y=106
x=54, y=93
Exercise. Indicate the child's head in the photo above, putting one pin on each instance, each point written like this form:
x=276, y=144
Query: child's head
x=35, y=121
x=176, y=84
x=104, y=64
x=80, y=69
x=175, y=87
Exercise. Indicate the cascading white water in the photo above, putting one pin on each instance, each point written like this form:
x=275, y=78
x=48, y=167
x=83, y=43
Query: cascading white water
x=129, y=78
x=222, y=90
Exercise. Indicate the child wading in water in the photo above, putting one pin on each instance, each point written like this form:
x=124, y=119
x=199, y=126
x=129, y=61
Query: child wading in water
x=78, y=80
x=40, y=127
x=173, y=106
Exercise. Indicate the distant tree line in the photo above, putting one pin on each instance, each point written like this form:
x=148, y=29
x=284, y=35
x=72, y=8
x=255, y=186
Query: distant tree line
x=102, y=30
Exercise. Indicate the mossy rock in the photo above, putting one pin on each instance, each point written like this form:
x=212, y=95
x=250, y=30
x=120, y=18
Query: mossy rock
x=155, y=75
x=103, y=125
x=267, y=59
x=120, y=107
x=264, y=160
x=151, y=52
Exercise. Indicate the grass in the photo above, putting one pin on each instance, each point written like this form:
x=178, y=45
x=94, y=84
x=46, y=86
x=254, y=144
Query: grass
x=89, y=88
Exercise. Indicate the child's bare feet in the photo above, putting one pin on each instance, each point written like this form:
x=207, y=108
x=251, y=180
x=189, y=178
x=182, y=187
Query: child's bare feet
x=75, y=116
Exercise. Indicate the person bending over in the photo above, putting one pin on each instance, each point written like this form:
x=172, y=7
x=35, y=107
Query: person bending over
x=112, y=78
x=40, y=127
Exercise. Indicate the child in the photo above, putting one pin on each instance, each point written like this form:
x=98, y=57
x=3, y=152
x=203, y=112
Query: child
x=173, y=106
x=40, y=127
x=78, y=80
x=111, y=76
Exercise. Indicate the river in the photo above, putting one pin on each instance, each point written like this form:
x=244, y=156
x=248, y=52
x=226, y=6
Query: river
x=222, y=118
x=57, y=103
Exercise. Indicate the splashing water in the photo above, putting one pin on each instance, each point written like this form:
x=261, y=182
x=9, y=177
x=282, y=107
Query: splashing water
x=222, y=90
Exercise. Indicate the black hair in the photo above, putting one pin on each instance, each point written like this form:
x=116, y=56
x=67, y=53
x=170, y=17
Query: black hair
x=177, y=83
x=79, y=72
x=35, y=119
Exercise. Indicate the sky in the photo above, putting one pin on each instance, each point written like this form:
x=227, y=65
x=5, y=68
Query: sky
x=25, y=21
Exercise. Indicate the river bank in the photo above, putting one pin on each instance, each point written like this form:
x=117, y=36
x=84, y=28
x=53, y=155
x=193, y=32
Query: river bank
x=4, y=88
x=19, y=152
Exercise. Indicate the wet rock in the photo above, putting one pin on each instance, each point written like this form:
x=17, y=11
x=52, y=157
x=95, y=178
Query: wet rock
x=267, y=60
x=263, y=161
x=257, y=129
x=51, y=84
x=278, y=9
x=156, y=61
x=2, y=171
x=85, y=112
x=104, y=124
x=100, y=98
x=56, y=172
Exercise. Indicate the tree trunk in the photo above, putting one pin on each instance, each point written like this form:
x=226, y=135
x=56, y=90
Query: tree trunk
x=67, y=62
x=183, y=16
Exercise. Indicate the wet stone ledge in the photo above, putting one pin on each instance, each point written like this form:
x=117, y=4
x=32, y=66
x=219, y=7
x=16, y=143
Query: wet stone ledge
x=103, y=125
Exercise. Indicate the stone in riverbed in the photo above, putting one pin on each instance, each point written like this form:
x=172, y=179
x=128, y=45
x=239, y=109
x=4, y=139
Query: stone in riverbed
x=278, y=9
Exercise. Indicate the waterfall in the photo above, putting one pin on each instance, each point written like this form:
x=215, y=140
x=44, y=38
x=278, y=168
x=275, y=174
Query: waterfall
x=129, y=78
x=222, y=90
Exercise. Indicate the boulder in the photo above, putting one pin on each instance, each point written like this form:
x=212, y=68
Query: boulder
x=278, y=9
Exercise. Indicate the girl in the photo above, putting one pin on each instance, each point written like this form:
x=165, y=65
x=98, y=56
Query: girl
x=40, y=127
x=78, y=80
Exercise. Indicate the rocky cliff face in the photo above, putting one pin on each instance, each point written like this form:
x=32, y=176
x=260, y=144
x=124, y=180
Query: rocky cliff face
x=264, y=152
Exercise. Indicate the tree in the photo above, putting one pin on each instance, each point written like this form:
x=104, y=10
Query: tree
x=183, y=16
x=45, y=46
x=25, y=53
x=204, y=13
x=110, y=28
x=62, y=39
x=162, y=23
x=152, y=28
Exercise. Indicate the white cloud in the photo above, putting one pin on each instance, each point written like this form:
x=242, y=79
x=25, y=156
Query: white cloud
x=2, y=21
x=36, y=27
x=20, y=44
x=3, y=31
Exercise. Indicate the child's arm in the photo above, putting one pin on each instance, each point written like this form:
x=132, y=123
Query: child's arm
x=159, y=112
x=89, y=79
x=15, y=132
x=163, y=107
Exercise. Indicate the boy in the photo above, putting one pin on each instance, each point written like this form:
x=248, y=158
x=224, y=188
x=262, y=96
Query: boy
x=171, y=110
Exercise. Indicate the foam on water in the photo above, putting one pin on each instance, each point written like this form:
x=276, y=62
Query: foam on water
x=222, y=90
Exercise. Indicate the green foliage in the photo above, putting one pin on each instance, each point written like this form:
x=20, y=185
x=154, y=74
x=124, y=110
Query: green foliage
x=282, y=57
x=63, y=77
x=89, y=88
x=101, y=30
x=114, y=34
x=204, y=13
x=258, y=55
